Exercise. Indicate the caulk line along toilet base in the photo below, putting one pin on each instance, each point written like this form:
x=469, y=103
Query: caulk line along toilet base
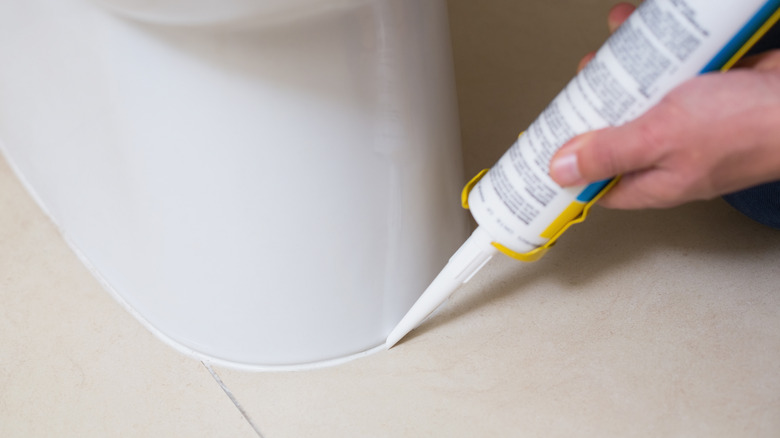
x=262, y=196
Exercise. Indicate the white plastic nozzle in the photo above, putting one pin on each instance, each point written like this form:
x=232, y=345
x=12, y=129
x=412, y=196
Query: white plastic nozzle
x=467, y=261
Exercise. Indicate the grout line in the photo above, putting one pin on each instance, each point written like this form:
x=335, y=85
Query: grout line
x=232, y=398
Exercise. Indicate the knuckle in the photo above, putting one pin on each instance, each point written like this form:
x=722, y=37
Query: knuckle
x=661, y=197
x=680, y=187
x=655, y=189
x=768, y=61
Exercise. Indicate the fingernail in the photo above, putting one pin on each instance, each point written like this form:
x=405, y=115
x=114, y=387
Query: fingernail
x=565, y=171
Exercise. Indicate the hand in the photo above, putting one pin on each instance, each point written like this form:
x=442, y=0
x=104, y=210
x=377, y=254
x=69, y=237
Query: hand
x=712, y=135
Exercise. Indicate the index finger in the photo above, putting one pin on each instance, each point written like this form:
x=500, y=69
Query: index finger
x=618, y=14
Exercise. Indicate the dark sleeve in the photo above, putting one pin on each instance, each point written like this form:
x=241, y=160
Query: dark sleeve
x=761, y=203
x=771, y=40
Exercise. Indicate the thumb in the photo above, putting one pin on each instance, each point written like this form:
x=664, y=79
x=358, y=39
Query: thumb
x=605, y=153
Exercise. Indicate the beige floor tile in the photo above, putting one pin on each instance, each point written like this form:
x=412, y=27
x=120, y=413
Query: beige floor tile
x=663, y=323
x=73, y=362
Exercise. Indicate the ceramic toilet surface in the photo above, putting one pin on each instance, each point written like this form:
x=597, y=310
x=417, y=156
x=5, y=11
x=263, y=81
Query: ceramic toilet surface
x=209, y=12
x=267, y=198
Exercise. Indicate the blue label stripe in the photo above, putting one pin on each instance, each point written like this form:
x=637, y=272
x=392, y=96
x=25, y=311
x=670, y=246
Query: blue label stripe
x=592, y=190
x=742, y=36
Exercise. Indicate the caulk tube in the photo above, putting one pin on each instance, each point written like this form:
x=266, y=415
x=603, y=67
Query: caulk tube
x=662, y=44
x=520, y=210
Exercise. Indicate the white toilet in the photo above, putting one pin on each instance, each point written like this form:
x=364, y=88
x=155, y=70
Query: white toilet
x=263, y=184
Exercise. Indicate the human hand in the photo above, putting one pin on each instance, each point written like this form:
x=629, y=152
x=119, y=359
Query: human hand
x=712, y=135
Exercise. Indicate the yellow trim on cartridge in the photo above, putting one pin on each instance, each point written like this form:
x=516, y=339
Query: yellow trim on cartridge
x=537, y=253
x=528, y=257
x=571, y=212
x=464, y=195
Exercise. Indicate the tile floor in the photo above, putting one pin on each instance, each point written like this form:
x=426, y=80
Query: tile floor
x=653, y=323
x=645, y=324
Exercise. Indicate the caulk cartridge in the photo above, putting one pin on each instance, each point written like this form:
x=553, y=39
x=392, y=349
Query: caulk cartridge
x=520, y=210
x=474, y=254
